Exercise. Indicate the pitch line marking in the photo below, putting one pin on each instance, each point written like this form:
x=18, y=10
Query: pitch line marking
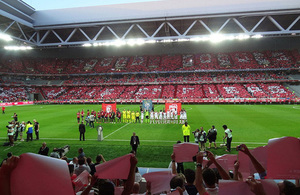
x=11, y=147
x=116, y=130
x=123, y=140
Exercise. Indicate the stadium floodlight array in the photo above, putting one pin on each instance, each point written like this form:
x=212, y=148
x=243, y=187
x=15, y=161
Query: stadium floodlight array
x=5, y=37
x=214, y=38
x=17, y=48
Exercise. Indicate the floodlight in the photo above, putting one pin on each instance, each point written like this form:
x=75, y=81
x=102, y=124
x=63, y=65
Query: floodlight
x=87, y=45
x=196, y=39
x=5, y=37
x=119, y=43
x=150, y=41
x=140, y=42
x=216, y=38
x=15, y=48
x=258, y=36
x=183, y=40
x=131, y=42
x=242, y=37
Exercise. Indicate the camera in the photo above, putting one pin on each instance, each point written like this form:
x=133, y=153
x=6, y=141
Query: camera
x=62, y=151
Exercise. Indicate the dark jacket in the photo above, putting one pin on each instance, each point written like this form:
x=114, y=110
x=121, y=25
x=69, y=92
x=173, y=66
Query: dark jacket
x=82, y=128
x=137, y=141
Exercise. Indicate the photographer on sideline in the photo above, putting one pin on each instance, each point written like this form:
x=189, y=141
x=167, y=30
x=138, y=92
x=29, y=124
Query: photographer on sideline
x=10, y=133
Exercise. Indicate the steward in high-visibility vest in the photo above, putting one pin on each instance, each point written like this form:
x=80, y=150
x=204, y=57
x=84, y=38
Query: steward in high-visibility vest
x=186, y=131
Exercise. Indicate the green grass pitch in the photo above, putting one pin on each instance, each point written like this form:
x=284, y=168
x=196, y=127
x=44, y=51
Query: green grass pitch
x=251, y=124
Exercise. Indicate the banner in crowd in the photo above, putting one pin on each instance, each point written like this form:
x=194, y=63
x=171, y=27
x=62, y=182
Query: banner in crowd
x=117, y=168
x=160, y=181
x=147, y=105
x=283, y=158
x=173, y=106
x=16, y=103
x=184, y=152
x=44, y=175
x=109, y=107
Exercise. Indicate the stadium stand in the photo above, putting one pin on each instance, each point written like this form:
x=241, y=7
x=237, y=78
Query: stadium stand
x=222, y=75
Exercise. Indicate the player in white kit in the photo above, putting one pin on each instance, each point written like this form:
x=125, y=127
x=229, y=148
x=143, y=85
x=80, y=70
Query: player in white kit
x=160, y=116
x=156, y=117
x=151, y=117
x=168, y=116
x=142, y=116
x=164, y=117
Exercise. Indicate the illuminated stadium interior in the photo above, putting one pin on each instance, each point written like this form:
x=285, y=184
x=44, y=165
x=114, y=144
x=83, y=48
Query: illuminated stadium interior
x=195, y=53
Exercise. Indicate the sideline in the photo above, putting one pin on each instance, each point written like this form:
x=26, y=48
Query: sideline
x=125, y=140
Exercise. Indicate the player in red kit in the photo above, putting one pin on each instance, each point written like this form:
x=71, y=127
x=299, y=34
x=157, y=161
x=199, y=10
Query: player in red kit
x=88, y=113
x=98, y=116
x=82, y=114
x=106, y=116
x=118, y=116
x=102, y=116
x=78, y=116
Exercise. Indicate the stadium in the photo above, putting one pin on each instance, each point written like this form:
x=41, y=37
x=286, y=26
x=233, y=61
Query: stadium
x=225, y=63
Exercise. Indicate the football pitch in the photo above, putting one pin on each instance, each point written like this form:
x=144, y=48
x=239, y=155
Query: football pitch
x=253, y=125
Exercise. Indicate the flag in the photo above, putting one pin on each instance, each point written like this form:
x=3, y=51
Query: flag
x=173, y=106
x=109, y=107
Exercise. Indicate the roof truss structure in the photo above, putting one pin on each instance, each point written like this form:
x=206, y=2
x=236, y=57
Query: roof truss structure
x=153, y=30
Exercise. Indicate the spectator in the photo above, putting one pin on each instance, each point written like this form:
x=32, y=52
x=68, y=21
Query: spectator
x=99, y=158
x=44, y=149
x=177, y=182
x=178, y=167
x=74, y=162
x=91, y=165
x=81, y=153
x=5, y=174
x=108, y=188
x=8, y=155
x=138, y=176
x=190, y=178
x=285, y=187
x=82, y=166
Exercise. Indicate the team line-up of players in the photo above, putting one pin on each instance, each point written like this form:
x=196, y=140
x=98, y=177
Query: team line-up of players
x=152, y=117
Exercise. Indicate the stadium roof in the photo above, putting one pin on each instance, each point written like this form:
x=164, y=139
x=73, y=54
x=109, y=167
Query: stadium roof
x=150, y=20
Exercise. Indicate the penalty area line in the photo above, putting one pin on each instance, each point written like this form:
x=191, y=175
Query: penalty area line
x=116, y=130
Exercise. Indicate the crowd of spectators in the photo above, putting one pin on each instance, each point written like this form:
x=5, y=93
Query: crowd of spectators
x=203, y=61
x=183, y=91
x=177, y=78
x=212, y=175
